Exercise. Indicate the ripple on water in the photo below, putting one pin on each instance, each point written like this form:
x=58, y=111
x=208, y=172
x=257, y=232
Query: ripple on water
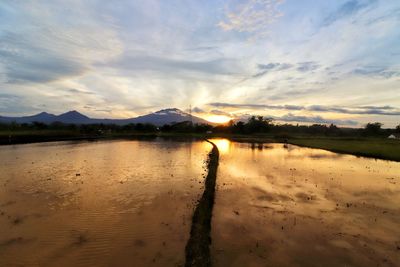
x=131, y=202
x=294, y=206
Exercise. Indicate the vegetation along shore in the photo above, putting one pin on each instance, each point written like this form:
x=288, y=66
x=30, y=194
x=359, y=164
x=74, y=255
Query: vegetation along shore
x=370, y=141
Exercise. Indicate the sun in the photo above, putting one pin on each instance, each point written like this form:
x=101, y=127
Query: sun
x=218, y=118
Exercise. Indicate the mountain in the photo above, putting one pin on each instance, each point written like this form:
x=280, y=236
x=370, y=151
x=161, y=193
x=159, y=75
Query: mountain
x=159, y=118
x=41, y=117
x=73, y=117
x=168, y=116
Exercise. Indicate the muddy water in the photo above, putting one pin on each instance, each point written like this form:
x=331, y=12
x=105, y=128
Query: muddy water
x=114, y=203
x=294, y=206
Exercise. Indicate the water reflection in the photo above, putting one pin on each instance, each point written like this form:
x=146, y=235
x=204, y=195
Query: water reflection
x=222, y=144
x=294, y=206
x=116, y=203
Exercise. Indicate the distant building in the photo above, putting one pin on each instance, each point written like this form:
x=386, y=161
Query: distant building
x=209, y=132
x=392, y=136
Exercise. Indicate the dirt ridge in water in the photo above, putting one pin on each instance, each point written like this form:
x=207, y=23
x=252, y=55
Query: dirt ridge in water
x=198, y=246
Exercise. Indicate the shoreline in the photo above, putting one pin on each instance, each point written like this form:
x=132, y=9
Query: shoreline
x=377, y=148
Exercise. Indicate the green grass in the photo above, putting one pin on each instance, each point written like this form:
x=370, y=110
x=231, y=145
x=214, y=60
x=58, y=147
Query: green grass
x=381, y=148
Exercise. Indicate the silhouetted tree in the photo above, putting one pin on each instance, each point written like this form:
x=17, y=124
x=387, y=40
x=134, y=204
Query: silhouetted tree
x=258, y=124
x=238, y=127
x=39, y=125
x=373, y=128
x=182, y=127
x=333, y=129
x=202, y=128
x=255, y=124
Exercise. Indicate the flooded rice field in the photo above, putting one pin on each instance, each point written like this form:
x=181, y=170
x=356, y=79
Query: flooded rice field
x=130, y=203
x=111, y=203
x=280, y=205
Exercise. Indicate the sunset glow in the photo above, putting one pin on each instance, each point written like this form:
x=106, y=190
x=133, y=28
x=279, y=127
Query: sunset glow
x=222, y=144
x=194, y=133
x=301, y=62
x=218, y=118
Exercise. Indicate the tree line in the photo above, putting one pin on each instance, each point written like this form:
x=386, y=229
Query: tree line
x=254, y=125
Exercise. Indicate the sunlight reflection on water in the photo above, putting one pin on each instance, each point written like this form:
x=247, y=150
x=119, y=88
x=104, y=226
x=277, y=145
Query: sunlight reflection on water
x=222, y=144
x=282, y=205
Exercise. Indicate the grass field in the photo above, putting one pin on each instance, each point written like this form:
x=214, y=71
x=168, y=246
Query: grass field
x=381, y=148
x=369, y=147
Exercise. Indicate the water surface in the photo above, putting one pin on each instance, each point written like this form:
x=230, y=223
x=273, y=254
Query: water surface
x=282, y=205
x=129, y=203
x=111, y=203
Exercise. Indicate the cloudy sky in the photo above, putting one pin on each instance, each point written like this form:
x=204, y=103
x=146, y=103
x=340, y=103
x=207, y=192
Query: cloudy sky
x=299, y=61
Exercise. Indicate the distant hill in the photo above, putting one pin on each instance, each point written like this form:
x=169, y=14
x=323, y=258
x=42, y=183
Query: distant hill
x=41, y=117
x=161, y=117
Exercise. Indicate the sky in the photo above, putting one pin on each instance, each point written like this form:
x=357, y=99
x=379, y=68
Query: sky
x=296, y=61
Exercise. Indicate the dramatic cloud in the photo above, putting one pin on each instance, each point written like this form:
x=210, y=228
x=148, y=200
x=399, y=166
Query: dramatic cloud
x=264, y=69
x=336, y=60
x=369, y=110
x=253, y=16
x=219, y=112
x=315, y=119
x=377, y=71
x=273, y=67
x=256, y=106
x=293, y=93
x=26, y=62
x=307, y=66
x=39, y=47
x=170, y=65
x=357, y=110
x=197, y=110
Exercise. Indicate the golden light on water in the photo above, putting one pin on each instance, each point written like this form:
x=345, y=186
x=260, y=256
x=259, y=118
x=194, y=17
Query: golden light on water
x=222, y=144
x=218, y=118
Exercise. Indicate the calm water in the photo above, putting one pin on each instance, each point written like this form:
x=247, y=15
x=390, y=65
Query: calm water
x=293, y=206
x=129, y=203
x=117, y=203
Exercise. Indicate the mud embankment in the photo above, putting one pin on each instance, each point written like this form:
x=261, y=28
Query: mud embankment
x=197, y=249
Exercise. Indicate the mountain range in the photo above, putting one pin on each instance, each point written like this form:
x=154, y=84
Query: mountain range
x=161, y=117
